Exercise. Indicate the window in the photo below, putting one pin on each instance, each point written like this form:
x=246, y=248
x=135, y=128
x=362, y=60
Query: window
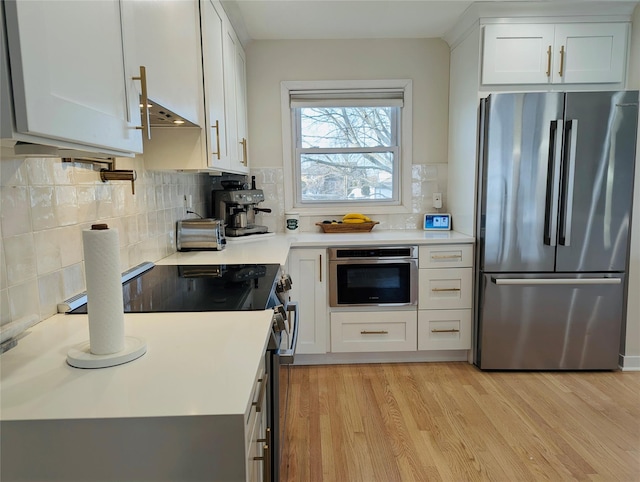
x=348, y=146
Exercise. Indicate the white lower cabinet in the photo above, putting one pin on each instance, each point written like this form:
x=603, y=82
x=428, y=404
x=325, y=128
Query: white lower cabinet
x=445, y=297
x=373, y=331
x=444, y=330
x=308, y=269
x=256, y=448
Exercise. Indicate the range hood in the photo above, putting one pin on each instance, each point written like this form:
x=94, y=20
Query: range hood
x=160, y=116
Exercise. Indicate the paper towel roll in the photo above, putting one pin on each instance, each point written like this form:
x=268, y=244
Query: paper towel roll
x=104, y=289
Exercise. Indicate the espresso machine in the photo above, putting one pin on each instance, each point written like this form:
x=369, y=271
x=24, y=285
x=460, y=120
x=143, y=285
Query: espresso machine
x=237, y=207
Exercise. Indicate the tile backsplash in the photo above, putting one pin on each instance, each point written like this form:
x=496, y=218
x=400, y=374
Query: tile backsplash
x=426, y=179
x=46, y=203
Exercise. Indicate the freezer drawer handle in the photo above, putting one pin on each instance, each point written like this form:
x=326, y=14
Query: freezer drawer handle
x=445, y=331
x=378, y=332
x=445, y=289
x=557, y=281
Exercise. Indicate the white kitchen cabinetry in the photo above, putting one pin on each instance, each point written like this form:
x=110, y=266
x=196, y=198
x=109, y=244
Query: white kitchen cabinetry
x=211, y=80
x=72, y=76
x=257, y=449
x=445, y=297
x=235, y=102
x=571, y=53
x=373, y=331
x=214, y=29
x=308, y=269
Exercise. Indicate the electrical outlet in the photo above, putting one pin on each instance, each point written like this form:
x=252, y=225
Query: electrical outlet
x=437, y=200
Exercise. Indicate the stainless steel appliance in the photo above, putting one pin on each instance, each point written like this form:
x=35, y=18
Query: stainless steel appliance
x=200, y=234
x=237, y=207
x=553, y=216
x=150, y=288
x=374, y=276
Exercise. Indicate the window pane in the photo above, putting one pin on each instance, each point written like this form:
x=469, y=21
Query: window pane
x=347, y=177
x=336, y=127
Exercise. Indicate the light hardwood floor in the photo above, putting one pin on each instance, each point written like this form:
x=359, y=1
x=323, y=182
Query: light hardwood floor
x=452, y=422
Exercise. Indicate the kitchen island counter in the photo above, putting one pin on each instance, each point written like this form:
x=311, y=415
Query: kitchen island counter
x=179, y=412
x=196, y=364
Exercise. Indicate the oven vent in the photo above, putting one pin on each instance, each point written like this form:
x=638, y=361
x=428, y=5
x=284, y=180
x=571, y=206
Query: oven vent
x=391, y=252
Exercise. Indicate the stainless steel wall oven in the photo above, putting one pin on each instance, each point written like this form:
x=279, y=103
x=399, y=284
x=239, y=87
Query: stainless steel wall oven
x=374, y=276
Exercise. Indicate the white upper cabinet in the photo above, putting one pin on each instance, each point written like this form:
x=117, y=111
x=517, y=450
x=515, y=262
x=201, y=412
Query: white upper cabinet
x=72, y=76
x=167, y=43
x=213, y=31
x=572, y=53
x=191, y=53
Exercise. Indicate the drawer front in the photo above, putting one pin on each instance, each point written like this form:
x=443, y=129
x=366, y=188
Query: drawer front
x=374, y=331
x=258, y=403
x=449, y=256
x=444, y=330
x=445, y=289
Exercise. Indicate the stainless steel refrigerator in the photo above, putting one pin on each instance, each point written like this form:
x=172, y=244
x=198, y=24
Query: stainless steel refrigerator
x=553, y=219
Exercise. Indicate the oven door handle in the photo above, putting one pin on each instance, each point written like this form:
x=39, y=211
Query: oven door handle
x=286, y=356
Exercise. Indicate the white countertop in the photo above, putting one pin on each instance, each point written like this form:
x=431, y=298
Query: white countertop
x=378, y=238
x=196, y=364
x=275, y=248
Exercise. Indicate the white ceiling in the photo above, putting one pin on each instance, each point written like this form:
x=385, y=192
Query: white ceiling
x=351, y=19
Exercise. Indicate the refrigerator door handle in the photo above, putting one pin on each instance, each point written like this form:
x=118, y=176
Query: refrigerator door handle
x=570, y=170
x=553, y=183
x=555, y=281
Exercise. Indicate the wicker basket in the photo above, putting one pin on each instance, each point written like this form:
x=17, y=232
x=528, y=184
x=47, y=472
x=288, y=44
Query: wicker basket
x=347, y=227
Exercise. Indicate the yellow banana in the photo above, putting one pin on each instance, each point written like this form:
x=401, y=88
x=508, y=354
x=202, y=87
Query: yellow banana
x=353, y=216
x=353, y=221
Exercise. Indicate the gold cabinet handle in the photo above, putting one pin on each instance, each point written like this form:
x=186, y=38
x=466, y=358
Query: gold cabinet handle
x=266, y=459
x=320, y=268
x=561, y=60
x=244, y=151
x=378, y=332
x=263, y=387
x=445, y=289
x=146, y=124
x=453, y=330
x=549, y=61
x=217, y=128
x=447, y=256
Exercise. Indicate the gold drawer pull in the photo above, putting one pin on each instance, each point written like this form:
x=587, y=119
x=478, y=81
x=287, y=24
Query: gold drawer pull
x=379, y=332
x=453, y=330
x=447, y=256
x=445, y=289
x=562, y=52
x=263, y=387
x=266, y=459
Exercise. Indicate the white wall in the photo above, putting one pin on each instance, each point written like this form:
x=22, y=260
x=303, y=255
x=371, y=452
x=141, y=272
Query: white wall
x=632, y=337
x=425, y=61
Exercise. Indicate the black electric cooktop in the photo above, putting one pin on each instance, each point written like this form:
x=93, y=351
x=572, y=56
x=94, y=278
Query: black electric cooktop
x=169, y=288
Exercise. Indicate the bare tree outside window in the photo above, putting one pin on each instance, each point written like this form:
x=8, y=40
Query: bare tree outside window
x=347, y=153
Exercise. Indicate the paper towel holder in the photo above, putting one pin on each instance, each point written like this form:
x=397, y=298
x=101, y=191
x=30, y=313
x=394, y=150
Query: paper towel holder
x=80, y=356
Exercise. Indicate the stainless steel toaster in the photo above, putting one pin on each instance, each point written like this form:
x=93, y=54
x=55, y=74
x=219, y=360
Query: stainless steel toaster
x=200, y=234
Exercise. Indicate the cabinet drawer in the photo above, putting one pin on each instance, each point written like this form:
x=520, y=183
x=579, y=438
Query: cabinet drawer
x=444, y=330
x=444, y=289
x=452, y=256
x=258, y=399
x=374, y=331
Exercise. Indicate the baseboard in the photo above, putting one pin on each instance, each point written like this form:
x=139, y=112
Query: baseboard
x=629, y=363
x=381, y=357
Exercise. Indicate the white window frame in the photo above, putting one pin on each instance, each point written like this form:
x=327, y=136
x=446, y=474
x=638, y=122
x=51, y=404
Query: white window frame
x=405, y=162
